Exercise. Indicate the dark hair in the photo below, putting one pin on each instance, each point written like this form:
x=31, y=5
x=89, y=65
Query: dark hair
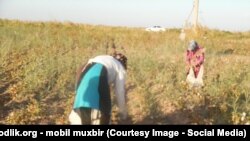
x=121, y=58
x=193, y=45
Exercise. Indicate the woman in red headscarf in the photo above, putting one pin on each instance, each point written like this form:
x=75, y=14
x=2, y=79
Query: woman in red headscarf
x=195, y=57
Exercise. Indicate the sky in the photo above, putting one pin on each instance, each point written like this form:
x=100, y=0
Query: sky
x=230, y=15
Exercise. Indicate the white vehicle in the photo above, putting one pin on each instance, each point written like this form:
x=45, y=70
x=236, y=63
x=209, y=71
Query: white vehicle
x=155, y=29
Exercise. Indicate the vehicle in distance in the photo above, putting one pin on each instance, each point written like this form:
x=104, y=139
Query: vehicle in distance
x=155, y=29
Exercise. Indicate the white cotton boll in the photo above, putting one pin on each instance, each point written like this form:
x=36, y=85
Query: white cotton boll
x=243, y=116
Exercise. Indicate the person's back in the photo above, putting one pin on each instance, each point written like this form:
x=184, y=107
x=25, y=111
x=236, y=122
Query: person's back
x=112, y=65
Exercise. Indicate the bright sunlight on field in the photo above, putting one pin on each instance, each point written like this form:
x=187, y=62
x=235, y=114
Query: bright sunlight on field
x=39, y=62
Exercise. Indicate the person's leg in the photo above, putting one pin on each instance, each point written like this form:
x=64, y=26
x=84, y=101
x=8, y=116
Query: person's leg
x=75, y=118
x=85, y=115
x=95, y=117
x=80, y=116
x=98, y=118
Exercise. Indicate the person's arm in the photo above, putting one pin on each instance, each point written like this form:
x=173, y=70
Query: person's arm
x=120, y=94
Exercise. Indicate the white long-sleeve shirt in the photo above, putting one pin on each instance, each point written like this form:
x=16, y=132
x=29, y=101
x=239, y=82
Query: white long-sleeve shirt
x=116, y=76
